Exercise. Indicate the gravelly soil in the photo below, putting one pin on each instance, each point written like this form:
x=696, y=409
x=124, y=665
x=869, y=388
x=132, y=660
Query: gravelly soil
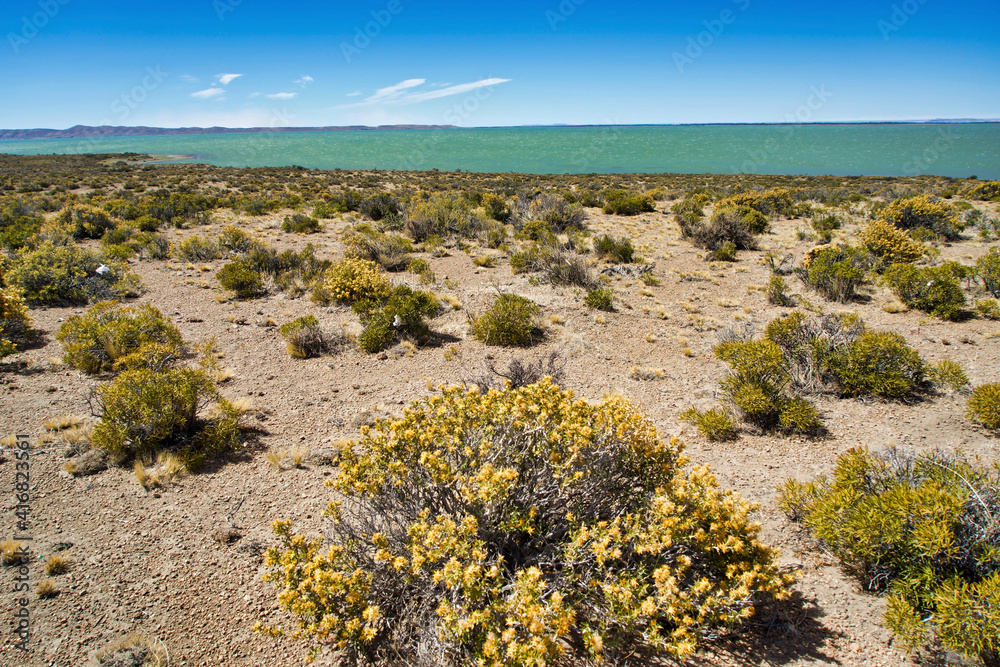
x=164, y=562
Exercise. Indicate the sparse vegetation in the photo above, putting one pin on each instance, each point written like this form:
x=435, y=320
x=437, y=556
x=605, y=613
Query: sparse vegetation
x=510, y=322
x=984, y=405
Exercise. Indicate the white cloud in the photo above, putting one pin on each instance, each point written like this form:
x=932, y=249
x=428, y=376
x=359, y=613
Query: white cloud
x=304, y=81
x=208, y=93
x=354, y=94
x=392, y=92
x=283, y=96
x=401, y=93
x=225, y=79
x=452, y=90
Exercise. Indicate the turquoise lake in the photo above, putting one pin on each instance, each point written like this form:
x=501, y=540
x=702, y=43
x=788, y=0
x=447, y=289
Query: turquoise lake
x=959, y=150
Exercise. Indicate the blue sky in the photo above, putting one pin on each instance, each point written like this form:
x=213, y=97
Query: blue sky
x=242, y=63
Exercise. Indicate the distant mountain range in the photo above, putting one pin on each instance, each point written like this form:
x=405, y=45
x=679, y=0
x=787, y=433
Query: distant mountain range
x=85, y=131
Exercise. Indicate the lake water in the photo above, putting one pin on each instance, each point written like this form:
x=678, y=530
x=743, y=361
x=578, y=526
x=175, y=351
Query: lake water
x=958, y=150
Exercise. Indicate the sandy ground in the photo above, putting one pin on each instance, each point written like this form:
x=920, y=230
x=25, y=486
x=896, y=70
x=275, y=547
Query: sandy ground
x=151, y=560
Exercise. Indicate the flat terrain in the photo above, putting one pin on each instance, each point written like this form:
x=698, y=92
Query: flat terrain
x=184, y=563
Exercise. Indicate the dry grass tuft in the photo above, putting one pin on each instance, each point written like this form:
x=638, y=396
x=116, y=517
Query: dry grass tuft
x=9, y=552
x=137, y=648
x=62, y=423
x=47, y=589
x=167, y=469
x=56, y=565
x=286, y=459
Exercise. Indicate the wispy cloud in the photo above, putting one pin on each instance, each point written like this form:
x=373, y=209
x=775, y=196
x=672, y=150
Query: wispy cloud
x=188, y=78
x=453, y=90
x=225, y=79
x=354, y=94
x=208, y=93
x=304, y=81
x=403, y=93
x=254, y=94
x=283, y=96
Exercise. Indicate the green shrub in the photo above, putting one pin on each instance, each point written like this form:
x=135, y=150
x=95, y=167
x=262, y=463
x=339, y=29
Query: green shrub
x=984, y=405
x=557, y=266
x=15, y=323
x=715, y=424
x=52, y=275
x=620, y=202
x=776, y=292
x=921, y=529
x=878, y=363
x=601, y=298
x=533, y=529
x=197, y=249
x=724, y=252
x=988, y=309
x=145, y=411
x=728, y=225
x=150, y=244
x=807, y=345
x=620, y=251
x=18, y=224
x=242, y=279
x=758, y=386
x=988, y=271
x=923, y=211
x=553, y=210
x=87, y=222
x=350, y=280
x=379, y=206
x=301, y=224
x=688, y=211
x=305, y=338
x=933, y=290
x=889, y=244
x=442, y=215
x=949, y=374
x=496, y=207
x=510, y=322
x=391, y=251
x=837, y=272
x=94, y=341
x=401, y=314
x=235, y=241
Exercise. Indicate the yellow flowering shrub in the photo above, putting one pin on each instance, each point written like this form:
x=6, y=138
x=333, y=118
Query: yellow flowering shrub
x=521, y=527
x=352, y=279
x=923, y=211
x=890, y=243
x=773, y=202
x=15, y=323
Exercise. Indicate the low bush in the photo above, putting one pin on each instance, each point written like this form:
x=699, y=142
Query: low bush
x=771, y=203
x=301, y=224
x=986, y=191
x=923, y=530
x=553, y=210
x=984, y=405
x=601, y=298
x=442, y=215
x=949, y=374
x=988, y=271
x=522, y=527
x=19, y=223
x=144, y=411
x=305, y=338
x=889, y=244
x=379, y=206
x=877, y=363
x=510, y=322
x=758, y=385
x=496, y=207
x=150, y=244
x=400, y=315
x=688, y=211
x=234, y=241
x=67, y=275
x=934, y=290
x=836, y=272
x=988, y=309
x=620, y=202
x=96, y=340
x=241, y=278
x=520, y=372
x=776, y=292
x=620, y=251
x=86, y=222
x=350, y=280
x=725, y=252
x=391, y=251
x=715, y=424
x=923, y=211
x=197, y=249
x=557, y=266
x=728, y=225
x=15, y=323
